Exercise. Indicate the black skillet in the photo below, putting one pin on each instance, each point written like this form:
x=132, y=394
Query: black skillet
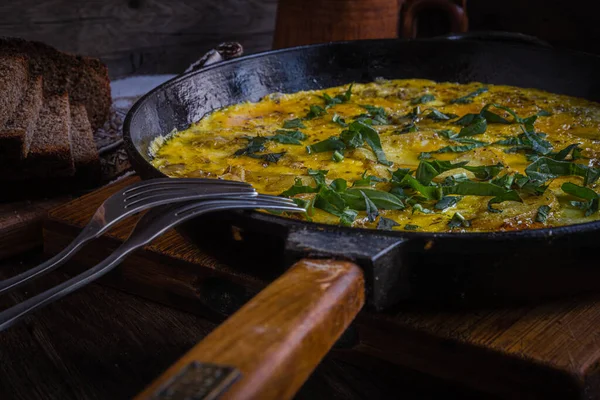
x=398, y=266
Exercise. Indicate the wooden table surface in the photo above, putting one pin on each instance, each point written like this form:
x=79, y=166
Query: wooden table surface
x=100, y=343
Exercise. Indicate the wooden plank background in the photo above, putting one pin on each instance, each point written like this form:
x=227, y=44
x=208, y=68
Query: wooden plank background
x=141, y=36
x=159, y=36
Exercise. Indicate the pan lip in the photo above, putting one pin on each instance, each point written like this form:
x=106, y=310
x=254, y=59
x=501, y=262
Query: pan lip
x=547, y=232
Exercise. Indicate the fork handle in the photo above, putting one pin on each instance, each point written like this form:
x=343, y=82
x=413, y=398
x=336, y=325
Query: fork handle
x=274, y=342
x=10, y=316
x=87, y=234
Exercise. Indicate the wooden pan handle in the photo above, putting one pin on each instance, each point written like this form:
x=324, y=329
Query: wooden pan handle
x=274, y=341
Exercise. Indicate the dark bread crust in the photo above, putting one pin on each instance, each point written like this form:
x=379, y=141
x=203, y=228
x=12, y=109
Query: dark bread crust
x=84, y=78
x=17, y=134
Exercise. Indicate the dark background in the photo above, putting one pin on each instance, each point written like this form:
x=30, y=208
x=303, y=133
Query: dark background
x=165, y=36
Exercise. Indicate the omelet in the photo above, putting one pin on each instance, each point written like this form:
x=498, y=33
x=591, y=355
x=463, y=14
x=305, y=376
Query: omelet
x=413, y=155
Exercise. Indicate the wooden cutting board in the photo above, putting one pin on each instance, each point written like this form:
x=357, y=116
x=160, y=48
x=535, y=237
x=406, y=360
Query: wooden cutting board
x=542, y=351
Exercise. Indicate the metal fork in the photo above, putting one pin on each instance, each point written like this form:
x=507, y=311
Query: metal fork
x=150, y=226
x=132, y=200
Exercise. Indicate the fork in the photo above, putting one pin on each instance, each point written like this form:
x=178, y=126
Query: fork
x=129, y=201
x=150, y=226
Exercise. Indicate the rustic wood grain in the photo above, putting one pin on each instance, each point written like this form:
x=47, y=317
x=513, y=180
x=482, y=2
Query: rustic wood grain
x=334, y=20
x=103, y=344
x=21, y=224
x=550, y=350
x=141, y=36
x=278, y=338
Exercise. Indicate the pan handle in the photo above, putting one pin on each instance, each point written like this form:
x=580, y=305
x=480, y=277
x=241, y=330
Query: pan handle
x=496, y=36
x=224, y=51
x=269, y=347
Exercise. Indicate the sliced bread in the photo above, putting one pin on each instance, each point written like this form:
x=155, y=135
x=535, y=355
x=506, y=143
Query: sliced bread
x=17, y=133
x=14, y=74
x=83, y=147
x=84, y=78
x=50, y=151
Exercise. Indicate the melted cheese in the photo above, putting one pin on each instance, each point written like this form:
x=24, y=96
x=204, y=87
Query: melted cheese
x=207, y=148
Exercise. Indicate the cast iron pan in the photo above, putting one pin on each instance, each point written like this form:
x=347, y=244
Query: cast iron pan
x=278, y=337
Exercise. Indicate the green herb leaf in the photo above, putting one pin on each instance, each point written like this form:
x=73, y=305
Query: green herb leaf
x=459, y=221
x=369, y=180
x=399, y=174
x=329, y=200
x=419, y=207
x=386, y=224
x=353, y=137
x=510, y=195
x=429, y=192
x=474, y=188
x=337, y=156
x=332, y=143
x=407, y=128
x=255, y=145
x=454, y=179
x=306, y=204
x=545, y=168
x=287, y=137
x=409, y=227
x=485, y=172
x=447, y=202
x=315, y=111
x=529, y=141
x=505, y=181
x=347, y=94
x=330, y=101
x=318, y=175
x=476, y=127
x=370, y=208
x=298, y=188
x=295, y=123
x=339, y=185
x=461, y=148
x=493, y=117
x=424, y=156
x=347, y=217
x=466, y=119
x=469, y=97
x=542, y=214
x=339, y=120
x=382, y=200
x=447, y=133
x=502, y=120
x=538, y=144
x=572, y=149
x=426, y=98
x=590, y=206
x=377, y=115
x=268, y=157
x=372, y=138
x=427, y=170
x=440, y=116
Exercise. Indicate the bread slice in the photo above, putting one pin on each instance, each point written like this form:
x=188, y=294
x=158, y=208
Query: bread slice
x=83, y=147
x=50, y=151
x=14, y=74
x=84, y=78
x=17, y=133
